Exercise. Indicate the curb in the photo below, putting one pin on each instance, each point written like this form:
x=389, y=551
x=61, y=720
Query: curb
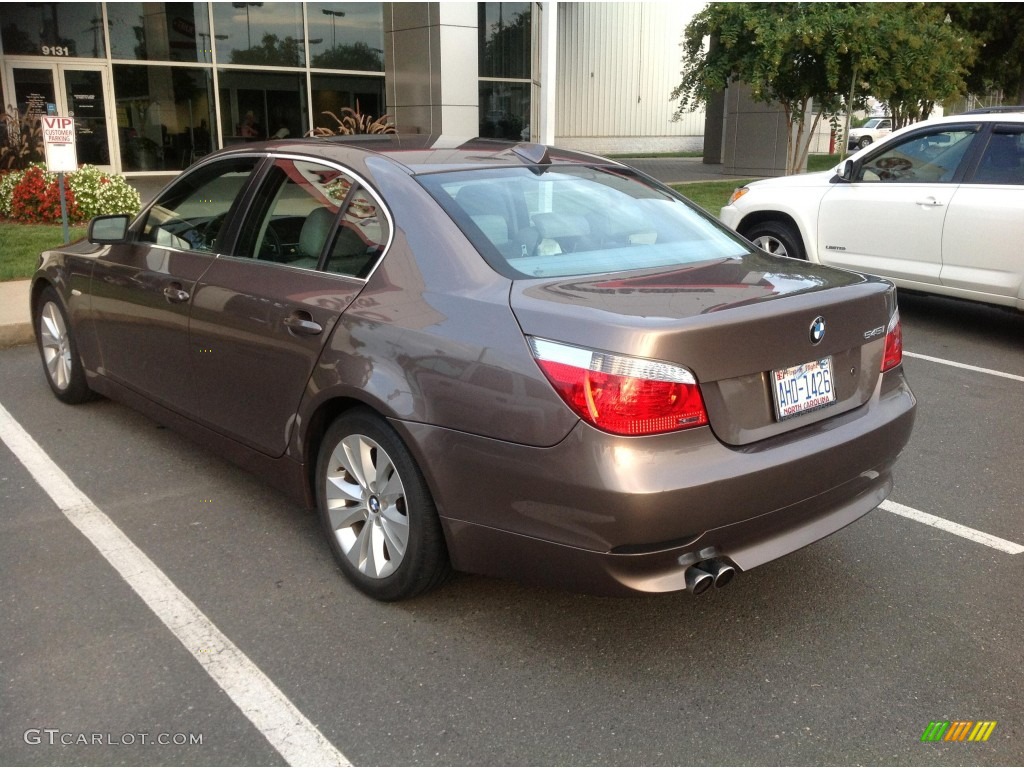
x=15, y=319
x=16, y=334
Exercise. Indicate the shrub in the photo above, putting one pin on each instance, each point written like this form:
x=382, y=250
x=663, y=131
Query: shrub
x=8, y=180
x=36, y=198
x=21, y=139
x=98, y=193
x=33, y=195
x=352, y=122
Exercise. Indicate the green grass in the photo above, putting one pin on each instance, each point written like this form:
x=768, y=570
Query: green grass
x=712, y=195
x=821, y=162
x=20, y=245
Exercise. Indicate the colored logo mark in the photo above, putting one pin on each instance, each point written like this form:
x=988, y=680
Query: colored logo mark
x=958, y=730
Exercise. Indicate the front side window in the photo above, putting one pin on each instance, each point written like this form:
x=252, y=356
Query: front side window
x=565, y=221
x=191, y=214
x=932, y=157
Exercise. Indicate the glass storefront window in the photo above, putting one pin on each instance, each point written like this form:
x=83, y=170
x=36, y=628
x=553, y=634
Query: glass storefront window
x=346, y=36
x=159, y=31
x=53, y=30
x=333, y=92
x=262, y=105
x=265, y=34
x=164, y=116
x=505, y=40
x=505, y=110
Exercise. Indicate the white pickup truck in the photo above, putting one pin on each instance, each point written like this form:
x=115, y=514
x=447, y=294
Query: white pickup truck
x=871, y=131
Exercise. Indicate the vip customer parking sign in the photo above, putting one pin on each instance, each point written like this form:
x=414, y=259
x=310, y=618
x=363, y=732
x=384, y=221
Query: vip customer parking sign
x=59, y=142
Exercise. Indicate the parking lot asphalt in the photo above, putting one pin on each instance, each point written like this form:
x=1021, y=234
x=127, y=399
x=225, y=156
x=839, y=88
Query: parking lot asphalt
x=842, y=653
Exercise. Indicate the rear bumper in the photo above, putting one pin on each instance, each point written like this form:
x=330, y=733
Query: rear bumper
x=479, y=549
x=612, y=515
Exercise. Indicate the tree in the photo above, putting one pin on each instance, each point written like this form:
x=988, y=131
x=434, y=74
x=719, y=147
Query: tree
x=790, y=53
x=358, y=56
x=832, y=54
x=912, y=57
x=999, y=31
x=272, y=51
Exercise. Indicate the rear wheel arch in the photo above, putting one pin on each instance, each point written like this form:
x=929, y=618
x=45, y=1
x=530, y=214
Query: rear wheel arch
x=313, y=435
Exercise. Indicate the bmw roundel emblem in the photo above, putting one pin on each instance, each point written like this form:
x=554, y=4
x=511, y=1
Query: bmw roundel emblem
x=817, y=329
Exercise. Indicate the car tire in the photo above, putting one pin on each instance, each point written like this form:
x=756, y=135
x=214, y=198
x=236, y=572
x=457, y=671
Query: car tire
x=777, y=238
x=376, y=510
x=59, y=351
x=865, y=141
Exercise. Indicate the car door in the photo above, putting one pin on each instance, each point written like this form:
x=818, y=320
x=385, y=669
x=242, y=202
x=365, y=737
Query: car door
x=982, y=251
x=142, y=289
x=260, y=317
x=889, y=220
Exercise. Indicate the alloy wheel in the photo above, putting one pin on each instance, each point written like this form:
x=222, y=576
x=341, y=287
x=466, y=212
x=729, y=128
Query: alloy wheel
x=366, y=506
x=55, y=344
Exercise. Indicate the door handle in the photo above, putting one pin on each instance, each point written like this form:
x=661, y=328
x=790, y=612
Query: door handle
x=930, y=202
x=302, y=322
x=174, y=294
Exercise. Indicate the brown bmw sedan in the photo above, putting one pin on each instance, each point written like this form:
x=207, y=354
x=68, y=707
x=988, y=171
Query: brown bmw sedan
x=495, y=358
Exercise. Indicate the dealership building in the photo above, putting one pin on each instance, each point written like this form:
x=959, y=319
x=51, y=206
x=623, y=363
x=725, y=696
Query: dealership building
x=154, y=85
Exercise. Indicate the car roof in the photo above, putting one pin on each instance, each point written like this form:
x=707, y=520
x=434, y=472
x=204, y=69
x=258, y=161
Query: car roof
x=419, y=153
x=994, y=110
x=986, y=116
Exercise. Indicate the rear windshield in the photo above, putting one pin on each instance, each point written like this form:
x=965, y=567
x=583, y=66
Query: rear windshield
x=571, y=220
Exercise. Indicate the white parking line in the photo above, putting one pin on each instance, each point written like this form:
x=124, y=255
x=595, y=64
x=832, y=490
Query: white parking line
x=289, y=731
x=954, y=364
x=946, y=525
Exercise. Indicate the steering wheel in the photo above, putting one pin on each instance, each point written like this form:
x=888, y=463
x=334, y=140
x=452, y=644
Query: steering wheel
x=270, y=247
x=208, y=232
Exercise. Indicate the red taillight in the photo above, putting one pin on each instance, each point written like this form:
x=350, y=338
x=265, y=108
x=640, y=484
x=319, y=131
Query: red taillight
x=893, y=343
x=619, y=394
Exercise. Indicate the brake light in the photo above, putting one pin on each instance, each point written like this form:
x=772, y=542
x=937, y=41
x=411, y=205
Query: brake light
x=893, y=343
x=619, y=394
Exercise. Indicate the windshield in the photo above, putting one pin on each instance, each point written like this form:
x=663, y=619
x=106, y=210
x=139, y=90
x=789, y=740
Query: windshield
x=572, y=220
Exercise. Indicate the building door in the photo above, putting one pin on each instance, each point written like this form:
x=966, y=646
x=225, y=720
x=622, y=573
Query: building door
x=73, y=90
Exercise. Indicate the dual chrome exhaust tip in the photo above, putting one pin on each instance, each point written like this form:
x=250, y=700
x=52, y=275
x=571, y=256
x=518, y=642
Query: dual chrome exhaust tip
x=710, y=573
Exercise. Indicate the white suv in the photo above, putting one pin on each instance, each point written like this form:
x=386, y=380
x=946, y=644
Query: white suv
x=873, y=130
x=937, y=207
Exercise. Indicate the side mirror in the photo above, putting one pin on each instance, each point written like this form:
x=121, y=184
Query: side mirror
x=107, y=230
x=845, y=171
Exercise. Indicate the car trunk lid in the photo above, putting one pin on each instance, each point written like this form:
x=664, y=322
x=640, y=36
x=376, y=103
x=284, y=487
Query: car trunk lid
x=732, y=322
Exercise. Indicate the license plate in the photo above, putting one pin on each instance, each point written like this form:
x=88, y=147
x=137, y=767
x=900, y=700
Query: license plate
x=803, y=388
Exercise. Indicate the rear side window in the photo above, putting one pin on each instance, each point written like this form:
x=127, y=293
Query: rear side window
x=572, y=220
x=361, y=237
x=313, y=216
x=1002, y=162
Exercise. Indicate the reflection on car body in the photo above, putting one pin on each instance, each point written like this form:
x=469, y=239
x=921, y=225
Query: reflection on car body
x=502, y=359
